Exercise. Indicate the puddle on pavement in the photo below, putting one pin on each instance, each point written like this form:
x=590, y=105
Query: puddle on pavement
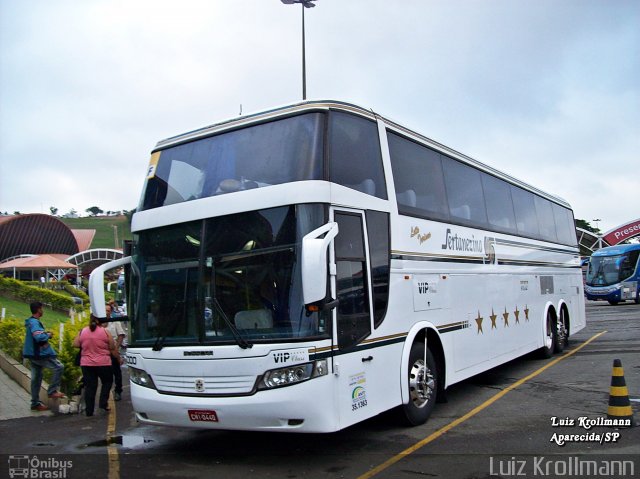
x=124, y=441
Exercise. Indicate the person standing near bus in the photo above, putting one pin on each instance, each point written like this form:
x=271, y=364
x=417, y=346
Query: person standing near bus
x=41, y=355
x=117, y=332
x=97, y=348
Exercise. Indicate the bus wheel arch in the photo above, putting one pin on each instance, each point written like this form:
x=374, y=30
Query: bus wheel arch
x=423, y=375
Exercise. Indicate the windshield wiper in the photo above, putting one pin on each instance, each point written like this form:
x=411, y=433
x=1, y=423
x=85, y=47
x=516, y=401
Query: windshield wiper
x=159, y=344
x=243, y=343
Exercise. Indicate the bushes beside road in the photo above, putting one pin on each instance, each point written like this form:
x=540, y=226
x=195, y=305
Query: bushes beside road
x=12, y=333
x=18, y=290
x=12, y=329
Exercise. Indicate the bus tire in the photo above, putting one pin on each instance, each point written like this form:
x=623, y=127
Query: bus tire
x=423, y=386
x=562, y=333
x=550, y=338
x=613, y=302
x=637, y=300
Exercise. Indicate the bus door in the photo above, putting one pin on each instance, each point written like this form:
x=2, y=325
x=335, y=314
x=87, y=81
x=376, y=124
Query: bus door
x=358, y=387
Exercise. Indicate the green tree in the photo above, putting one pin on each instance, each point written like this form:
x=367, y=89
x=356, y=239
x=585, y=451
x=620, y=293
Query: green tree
x=54, y=210
x=94, y=211
x=585, y=225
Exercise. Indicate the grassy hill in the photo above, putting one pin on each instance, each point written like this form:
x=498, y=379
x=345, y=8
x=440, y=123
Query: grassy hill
x=104, y=226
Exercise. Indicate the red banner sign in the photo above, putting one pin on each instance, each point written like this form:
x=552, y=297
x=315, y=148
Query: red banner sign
x=622, y=233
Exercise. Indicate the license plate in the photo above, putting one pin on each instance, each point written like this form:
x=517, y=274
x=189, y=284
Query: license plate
x=202, y=415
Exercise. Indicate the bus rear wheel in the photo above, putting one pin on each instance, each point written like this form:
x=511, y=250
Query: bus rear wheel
x=562, y=333
x=423, y=385
x=550, y=337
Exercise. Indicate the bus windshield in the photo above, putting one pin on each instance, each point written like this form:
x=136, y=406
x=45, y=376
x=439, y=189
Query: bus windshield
x=224, y=279
x=609, y=270
x=276, y=152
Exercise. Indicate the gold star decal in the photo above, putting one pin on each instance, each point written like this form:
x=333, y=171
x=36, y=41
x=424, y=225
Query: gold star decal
x=479, y=323
x=505, y=315
x=517, y=315
x=526, y=312
x=493, y=319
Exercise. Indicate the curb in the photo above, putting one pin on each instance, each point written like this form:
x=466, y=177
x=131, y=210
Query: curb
x=21, y=375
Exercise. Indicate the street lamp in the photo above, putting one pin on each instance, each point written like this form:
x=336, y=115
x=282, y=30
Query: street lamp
x=598, y=233
x=305, y=4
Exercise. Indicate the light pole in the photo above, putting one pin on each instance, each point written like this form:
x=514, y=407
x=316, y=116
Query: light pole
x=115, y=235
x=305, y=4
x=596, y=221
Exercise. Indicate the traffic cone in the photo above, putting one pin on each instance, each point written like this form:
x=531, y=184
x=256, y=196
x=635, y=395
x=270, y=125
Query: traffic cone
x=619, y=404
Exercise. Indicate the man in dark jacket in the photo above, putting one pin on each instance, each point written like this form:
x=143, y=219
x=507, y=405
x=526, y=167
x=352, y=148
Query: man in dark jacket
x=41, y=355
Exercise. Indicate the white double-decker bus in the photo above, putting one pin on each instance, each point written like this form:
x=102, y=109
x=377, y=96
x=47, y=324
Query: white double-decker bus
x=311, y=266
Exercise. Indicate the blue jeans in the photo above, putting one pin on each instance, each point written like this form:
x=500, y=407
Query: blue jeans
x=36, y=376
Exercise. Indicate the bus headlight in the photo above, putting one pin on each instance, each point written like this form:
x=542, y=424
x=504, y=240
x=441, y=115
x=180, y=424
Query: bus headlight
x=141, y=378
x=298, y=373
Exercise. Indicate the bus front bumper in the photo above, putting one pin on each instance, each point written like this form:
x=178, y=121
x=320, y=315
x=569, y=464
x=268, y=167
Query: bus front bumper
x=304, y=407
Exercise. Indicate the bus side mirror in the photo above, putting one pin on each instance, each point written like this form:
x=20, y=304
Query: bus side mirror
x=314, y=262
x=96, y=285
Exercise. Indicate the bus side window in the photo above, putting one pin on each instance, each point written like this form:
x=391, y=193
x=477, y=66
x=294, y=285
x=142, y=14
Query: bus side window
x=355, y=158
x=352, y=281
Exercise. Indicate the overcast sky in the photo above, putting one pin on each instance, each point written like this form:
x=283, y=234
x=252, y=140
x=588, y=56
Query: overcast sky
x=546, y=90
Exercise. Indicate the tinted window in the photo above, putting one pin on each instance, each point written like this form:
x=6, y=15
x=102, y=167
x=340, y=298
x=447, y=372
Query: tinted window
x=464, y=192
x=525, y=211
x=378, y=232
x=546, y=221
x=564, y=225
x=270, y=153
x=437, y=187
x=497, y=195
x=355, y=160
x=354, y=320
x=417, y=174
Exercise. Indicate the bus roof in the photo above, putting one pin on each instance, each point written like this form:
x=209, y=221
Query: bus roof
x=310, y=105
x=617, y=249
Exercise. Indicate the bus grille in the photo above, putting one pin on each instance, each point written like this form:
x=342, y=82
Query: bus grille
x=204, y=385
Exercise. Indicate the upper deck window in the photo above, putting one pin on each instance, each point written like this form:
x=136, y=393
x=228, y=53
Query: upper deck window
x=417, y=172
x=356, y=161
x=271, y=153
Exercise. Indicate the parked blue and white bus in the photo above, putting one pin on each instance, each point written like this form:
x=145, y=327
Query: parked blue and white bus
x=614, y=274
x=308, y=267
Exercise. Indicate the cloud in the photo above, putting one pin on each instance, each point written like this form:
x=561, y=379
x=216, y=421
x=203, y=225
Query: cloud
x=545, y=90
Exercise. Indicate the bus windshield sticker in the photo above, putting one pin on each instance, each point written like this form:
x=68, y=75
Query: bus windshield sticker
x=153, y=164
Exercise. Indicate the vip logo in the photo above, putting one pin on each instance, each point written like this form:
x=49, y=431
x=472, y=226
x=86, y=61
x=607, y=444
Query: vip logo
x=199, y=385
x=281, y=357
x=423, y=287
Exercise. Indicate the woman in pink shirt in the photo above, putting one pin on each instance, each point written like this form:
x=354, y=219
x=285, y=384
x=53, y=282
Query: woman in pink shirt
x=97, y=348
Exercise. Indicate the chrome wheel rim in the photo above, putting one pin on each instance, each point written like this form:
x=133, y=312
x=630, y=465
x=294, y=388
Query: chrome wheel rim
x=562, y=330
x=421, y=384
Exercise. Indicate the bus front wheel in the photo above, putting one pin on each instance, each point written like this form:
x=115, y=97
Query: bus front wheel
x=423, y=385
